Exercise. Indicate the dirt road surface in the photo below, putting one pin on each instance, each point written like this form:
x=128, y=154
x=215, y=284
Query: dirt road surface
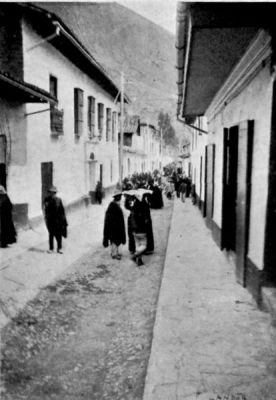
x=88, y=334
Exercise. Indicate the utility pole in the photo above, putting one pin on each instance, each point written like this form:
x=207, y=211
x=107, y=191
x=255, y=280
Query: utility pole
x=121, y=143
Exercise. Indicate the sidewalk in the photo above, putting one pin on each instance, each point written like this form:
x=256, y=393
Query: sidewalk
x=26, y=267
x=210, y=341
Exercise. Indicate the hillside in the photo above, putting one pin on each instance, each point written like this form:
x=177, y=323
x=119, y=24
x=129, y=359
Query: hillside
x=120, y=40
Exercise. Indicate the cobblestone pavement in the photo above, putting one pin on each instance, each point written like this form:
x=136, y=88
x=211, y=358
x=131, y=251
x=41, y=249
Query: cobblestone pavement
x=87, y=334
x=210, y=341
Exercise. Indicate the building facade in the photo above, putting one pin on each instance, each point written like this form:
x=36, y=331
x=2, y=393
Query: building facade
x=72, y=142
x=237, y=96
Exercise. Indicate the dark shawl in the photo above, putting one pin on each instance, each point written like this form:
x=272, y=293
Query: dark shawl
x=7, y=229
x=114, y=225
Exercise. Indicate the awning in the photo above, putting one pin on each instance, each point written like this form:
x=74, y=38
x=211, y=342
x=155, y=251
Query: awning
x=15, y=89
x=211, y=38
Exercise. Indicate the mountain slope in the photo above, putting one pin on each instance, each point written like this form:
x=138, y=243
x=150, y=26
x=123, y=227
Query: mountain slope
x=122, y=40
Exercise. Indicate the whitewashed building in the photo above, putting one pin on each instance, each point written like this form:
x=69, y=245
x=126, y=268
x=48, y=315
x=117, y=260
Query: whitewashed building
x=142, y=147
x=226, y=60
x=71, y=142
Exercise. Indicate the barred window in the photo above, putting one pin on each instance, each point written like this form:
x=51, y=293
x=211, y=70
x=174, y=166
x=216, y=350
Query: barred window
x=100, y=118
x=91, y=116
x=108, y=123
x=114, y=125
x=78, y=110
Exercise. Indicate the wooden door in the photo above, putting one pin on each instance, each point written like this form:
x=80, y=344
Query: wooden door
x=270, y=231
x=209, y=182
x=245, y=150
x=3, y=157
x=46, y=179
x=230, y=169
x=101, y=174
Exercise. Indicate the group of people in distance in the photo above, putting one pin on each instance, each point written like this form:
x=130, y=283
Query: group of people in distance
x=180, y=184
x=138, y=200
x=139, y=223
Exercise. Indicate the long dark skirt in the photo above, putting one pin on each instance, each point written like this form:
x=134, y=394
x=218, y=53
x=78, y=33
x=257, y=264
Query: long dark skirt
x=131, y=241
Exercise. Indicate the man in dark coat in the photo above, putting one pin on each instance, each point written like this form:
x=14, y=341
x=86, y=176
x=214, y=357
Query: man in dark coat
x=114, y=226
x=55, y=219
x=7, y=229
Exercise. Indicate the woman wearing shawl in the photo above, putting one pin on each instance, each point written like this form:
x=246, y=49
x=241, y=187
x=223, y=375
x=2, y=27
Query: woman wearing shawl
x=7, y=229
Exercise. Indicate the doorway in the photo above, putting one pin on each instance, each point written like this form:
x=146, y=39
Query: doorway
x=101, y=174
x=46, y=179
x=3, y=157
x=270, y=231
x=230, y=173
x=209, y=183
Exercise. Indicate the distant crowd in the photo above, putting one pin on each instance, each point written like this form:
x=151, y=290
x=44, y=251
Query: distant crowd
x=141, y=192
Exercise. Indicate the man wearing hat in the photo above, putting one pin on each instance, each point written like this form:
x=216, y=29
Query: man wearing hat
x=114, y=226
x=55, y=219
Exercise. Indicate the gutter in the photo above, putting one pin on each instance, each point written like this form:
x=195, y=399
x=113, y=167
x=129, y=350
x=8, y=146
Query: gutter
x=87, y=55
x=61, y=28
x=179, y=119
x=184, y=33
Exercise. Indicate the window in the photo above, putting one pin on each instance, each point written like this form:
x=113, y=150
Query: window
x=111, y=171
x=91, y=116
x=114, y=125
x=108, y=123
x=100, y=118
x=56, y=116
x=53, y=86
x=78, y=110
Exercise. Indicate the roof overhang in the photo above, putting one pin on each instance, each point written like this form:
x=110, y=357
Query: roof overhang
x=24, y=92
x=70, y=46
x=211, y=39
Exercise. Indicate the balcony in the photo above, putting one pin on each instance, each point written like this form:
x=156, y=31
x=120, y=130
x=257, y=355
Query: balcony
x=56, y=120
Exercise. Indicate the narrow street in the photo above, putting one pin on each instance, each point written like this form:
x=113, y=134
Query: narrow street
x=87, y=334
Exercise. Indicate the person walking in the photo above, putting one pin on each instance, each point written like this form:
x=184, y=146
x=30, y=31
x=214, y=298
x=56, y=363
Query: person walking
x=55, y=219
x=114, y=226
x=138, y=223
x=7, y=229
x=182, y=190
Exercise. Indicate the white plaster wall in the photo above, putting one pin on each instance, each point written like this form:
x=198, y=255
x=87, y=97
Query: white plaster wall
x=198, y=151
x=254, y=103
x=67, y=153
x=13, y=127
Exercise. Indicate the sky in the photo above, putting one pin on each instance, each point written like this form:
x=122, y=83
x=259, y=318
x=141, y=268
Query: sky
x=162, y=12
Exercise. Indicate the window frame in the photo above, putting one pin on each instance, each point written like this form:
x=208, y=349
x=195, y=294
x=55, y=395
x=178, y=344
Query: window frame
x=78, y=111
x=91, y=116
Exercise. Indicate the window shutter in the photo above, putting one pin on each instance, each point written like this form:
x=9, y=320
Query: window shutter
x=78, y=110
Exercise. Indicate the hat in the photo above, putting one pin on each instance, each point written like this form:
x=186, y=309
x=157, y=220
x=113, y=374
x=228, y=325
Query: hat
x=117, y=193
x=52, y=189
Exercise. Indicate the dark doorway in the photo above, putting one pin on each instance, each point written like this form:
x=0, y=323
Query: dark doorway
x=101, y=173
x=200, y=183
x=245, y=151
x=209, y=183
x=3, y=156
x=3, y=175
x=270, y=232
x=230, y=170
x=46, y=179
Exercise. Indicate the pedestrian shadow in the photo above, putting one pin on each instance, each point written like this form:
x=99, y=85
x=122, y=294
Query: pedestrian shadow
x=36, y=250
